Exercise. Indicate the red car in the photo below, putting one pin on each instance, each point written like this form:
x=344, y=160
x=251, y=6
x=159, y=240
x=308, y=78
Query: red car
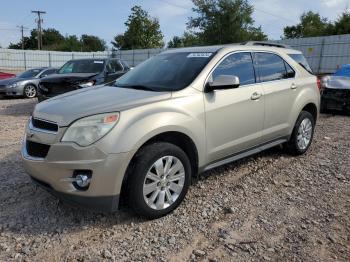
x=6, y=75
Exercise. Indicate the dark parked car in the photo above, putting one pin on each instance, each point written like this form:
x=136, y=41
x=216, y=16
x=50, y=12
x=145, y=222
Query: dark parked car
x=76, y=74
x=336, y=91
x=26, y=83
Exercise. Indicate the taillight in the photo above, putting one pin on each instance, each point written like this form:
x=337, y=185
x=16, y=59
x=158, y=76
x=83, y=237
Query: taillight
x=319, y=83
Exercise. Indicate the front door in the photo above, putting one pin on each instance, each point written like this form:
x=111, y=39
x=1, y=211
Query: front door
x=234, y=117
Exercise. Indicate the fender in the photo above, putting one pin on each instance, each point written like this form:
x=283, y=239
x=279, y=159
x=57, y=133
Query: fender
x=138, y=125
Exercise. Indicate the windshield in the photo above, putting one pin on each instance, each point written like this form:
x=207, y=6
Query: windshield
x=82, y=66
x=166, y=72
x=30, y=73
x=301, y=60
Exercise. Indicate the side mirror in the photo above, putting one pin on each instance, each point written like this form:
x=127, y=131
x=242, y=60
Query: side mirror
x=42, y=76
x=222, y=82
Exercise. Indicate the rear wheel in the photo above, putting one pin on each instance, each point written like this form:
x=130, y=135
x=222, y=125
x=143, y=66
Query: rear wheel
x=159, y=179
x=29, y=91
x=302, y=135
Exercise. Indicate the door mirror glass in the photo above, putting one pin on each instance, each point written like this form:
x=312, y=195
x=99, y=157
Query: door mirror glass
x=222, y=82
x=43, y=75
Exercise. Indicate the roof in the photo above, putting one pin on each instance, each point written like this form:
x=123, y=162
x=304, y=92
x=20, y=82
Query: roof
x=244, y=46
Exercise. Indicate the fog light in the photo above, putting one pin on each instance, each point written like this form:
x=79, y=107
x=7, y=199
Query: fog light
x=82, y=179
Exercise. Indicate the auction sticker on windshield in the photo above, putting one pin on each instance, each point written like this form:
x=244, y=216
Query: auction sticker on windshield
x=204, y=55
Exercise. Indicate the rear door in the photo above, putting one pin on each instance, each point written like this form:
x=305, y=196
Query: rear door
x=234, y=117
x=277, y=78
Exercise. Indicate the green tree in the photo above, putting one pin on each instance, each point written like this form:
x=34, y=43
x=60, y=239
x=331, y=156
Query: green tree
x=311, y=24
x=342, y=24
x=142, y=31
x=55, y=41
x=71, y=43
x=187, y=39
x=224, y=21
x=91, y=43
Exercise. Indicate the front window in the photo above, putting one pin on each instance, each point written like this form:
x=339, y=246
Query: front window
x=82, y=66
x=166, y=72
x=30, y=73
x=239, y=64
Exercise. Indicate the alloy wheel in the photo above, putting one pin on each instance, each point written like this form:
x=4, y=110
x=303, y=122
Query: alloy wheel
x=30, y=91
x=304, y=134
x=164, y=182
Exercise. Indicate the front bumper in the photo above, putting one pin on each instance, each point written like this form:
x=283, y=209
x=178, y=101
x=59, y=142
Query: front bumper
x=55, y=171
x=14, y=91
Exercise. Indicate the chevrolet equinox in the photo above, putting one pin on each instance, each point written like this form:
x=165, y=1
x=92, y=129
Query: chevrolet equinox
x=178, y=114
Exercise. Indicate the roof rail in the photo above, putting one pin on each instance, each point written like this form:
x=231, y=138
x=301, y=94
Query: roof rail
x=263, y=43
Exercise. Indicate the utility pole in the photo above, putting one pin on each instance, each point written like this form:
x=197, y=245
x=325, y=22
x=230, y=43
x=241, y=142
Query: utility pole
x=22, y=28
x=39, y=21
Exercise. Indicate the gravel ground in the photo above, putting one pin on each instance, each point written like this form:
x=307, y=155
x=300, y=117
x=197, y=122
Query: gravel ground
x=271, y=207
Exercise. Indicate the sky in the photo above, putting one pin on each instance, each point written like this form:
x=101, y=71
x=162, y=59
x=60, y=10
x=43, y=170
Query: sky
x=106, y=18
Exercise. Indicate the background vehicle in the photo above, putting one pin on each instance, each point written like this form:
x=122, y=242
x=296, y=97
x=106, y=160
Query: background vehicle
x=76, y=74
x=336, y=91
x=6, y=75
x=26, y=83
x=179, y=113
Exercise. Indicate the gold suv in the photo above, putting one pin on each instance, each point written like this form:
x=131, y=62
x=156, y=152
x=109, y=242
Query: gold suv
x=175, y=115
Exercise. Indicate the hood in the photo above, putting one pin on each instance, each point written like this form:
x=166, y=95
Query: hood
x=338, y=82
x=10, y=81
x=70, y=78
x=66, y=108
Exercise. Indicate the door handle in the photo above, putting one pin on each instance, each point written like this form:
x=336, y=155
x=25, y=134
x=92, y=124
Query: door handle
x=293, y=86
x=255, y=96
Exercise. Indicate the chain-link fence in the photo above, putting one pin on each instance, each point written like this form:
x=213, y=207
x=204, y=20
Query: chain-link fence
x=324, y=54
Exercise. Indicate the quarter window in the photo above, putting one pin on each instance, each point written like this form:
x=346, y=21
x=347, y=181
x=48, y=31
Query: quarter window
x=238, y=64
x=272, y=67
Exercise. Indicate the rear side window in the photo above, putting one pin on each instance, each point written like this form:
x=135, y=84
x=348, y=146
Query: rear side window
x=271, y=67
x=238, y=64
x=301, y=60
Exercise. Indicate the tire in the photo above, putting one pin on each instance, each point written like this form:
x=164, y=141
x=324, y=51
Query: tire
x=30, y=91
x=298, y=146
x=143, y=186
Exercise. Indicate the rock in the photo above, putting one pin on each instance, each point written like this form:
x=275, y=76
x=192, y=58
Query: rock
x=106, y=253
x=172, y=241
x=229, y=210
x=199, y=253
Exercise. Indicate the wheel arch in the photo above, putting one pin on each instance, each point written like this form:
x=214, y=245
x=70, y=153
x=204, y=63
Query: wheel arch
x=177, y=138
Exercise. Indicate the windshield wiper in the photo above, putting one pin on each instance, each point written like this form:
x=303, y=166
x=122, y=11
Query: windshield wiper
x=138, y=87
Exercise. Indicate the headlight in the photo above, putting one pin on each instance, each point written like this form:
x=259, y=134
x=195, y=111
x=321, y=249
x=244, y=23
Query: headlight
x=14, y=85
x=88, y=130
x=87, y=84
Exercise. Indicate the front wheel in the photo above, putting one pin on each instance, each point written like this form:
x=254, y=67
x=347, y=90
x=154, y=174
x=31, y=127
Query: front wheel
x=29, y=91
x=159, y=179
